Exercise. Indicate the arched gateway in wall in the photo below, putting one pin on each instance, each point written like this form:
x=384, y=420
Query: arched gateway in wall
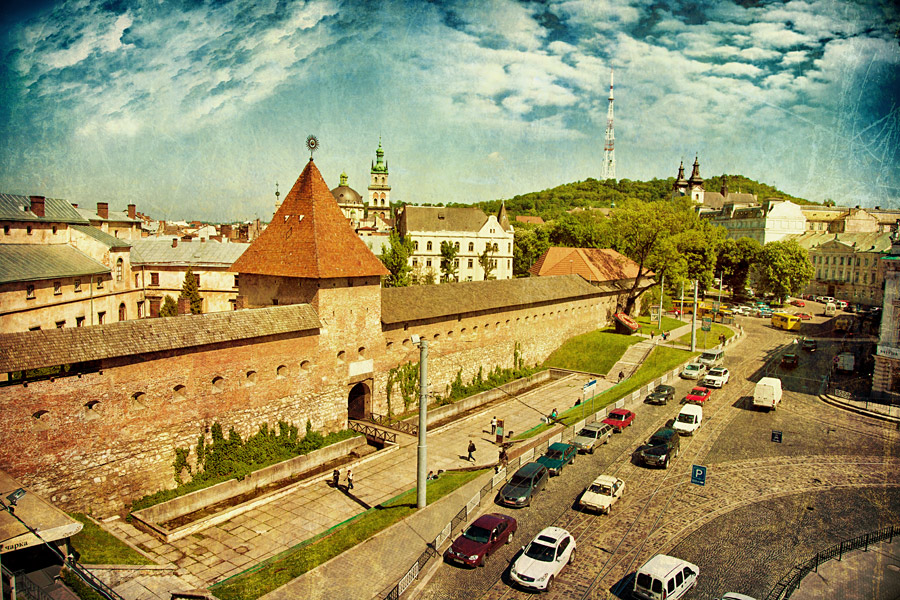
x=359, y=401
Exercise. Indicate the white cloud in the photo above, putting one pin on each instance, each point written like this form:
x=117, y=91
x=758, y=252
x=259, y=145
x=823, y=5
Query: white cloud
x=777, y=35
x=794, y=57
x=736, y=69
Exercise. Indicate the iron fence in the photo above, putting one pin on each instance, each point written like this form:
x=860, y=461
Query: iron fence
x=789, y=583
x=374, y=432
x=402, y=426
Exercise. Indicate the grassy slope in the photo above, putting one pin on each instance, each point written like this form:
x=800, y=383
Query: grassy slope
x=97, y=547
x=594, y=352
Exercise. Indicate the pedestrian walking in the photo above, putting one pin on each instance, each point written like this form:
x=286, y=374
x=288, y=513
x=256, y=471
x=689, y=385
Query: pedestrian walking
x=504, y=458
x=553, y=414
x=494, y=425
x=621, y=375
x=471, y=451
x=349, y=479
x=335, y=478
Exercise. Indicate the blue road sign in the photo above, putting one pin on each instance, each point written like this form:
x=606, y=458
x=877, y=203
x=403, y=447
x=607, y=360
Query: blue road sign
x=776, y=436
x=590, y=383
x=698, y=475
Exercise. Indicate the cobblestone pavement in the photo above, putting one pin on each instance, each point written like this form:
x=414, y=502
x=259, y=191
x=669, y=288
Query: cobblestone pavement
x=765, y=505
x=229, y=548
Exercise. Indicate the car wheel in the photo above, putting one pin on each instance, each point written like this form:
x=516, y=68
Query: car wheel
x=592, y=450
x=666, y=463
x=549, y=584
x=481, y=562
x=509, y=538
x=571, y=557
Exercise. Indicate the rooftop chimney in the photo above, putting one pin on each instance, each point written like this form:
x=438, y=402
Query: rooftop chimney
x=37, y=205
x=174, y=242
x=132, y=211
x=203, y=240
x=103, y=210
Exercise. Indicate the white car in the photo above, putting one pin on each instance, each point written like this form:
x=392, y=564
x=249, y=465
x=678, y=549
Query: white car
x=602, y=494
x=689, y=419
x=693, y=371
x=543, y=559
x=717, y=377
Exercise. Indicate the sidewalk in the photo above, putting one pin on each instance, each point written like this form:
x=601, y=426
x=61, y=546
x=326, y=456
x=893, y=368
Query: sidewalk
x=859, y=575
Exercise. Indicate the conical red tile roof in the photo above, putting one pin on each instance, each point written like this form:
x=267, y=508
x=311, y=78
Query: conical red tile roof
x=309, y=237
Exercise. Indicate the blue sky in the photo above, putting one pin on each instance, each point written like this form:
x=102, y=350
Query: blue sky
x=195, y=109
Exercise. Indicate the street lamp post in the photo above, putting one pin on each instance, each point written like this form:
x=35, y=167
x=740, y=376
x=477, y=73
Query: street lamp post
x=422, y=450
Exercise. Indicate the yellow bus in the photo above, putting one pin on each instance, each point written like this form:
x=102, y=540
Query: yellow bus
x=785, y=321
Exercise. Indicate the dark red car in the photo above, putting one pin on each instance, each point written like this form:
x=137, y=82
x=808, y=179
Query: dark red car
x=480, y=539
x=798, y=302
x=619, y=419
x=804, y=316
x=698, y=395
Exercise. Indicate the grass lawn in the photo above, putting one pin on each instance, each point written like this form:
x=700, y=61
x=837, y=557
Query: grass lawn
x=668, y=324
x=594, y=352
x=95, y=546
x=280, y=569
x=661, y=360
x=706, y=339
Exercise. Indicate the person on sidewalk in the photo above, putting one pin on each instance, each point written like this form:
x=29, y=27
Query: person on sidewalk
x=621, y=375
x=471, y=451
x=335, y=478
x=553, y=414
x=494, y=425
x=349, y=479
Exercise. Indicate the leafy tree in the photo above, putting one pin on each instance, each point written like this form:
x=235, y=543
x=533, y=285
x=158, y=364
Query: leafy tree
x=449, y=268
x=169, y=307
x=487, y=262
x=428, y=277
x=191, y=292
x=783, y=269
x=530, y=243
x=828, y=202
x=396, y=260
x=587, y=229
x=735, y=259
x=698, y=246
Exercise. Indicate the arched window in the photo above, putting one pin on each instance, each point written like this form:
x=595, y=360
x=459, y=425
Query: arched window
x=428, y=247
x=456, y=246
x=122, y=316
x=471, y=246
x=119, y=267
x=416, y=245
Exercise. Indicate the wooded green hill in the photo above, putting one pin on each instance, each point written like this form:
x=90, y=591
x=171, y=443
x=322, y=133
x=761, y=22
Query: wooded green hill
x=551, y=203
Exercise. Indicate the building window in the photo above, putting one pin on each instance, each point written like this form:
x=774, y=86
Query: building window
x=35, y=328
x=842, y=261
x=416, y=245
x=6, y=230
x=236, y=280
x=471, y=246
x=154, y=278
x=60, y=324
x=197, y=279
x=140, y=310
x=428, y=247
x=119, y=268
x=29, y=292
x=456, y=262
x=29, y=230
x=122, y=314
x=456, y=246
x=415, y=262
x=470, y=263
x=428, y=262
x=101, y=316
x=79, y=321
x=100, y=283
x=54, y=230
x=509, y=247
x=57, y=288
x=137, y=280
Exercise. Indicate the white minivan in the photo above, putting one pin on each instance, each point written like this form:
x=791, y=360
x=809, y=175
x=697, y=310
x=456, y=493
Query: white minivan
x=712, y=358
x=689, y=419
x=664, y=578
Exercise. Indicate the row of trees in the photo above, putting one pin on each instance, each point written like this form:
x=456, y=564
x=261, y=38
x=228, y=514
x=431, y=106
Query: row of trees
x=400, y=248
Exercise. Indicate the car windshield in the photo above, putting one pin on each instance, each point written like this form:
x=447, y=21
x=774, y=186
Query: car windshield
x=540, y=552
x=683, y=418
x=692, y=368
x=589, y=433
x=698, y=391
x=554, y=454
x=478, y=534
x=662, y=389
x=602, y=489
x=717, y=372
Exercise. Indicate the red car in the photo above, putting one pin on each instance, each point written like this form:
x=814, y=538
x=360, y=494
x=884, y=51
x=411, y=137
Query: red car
x=798, y=303
x=480, y=539
x=698, y=395
x=804, y=316
x=619, y=419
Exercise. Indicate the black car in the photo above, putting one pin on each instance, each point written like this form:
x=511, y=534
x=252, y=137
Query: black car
x=660, y=395
x=809, y=345
x=790, y=360
x=661, y=448
x=523, y=485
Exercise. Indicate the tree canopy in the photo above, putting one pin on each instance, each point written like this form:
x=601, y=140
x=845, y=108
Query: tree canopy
x=191, y=292
x=782, y=269
x=449, y=268
x=395, y=258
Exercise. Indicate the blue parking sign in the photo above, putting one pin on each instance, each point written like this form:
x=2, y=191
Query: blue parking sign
x=698, y=475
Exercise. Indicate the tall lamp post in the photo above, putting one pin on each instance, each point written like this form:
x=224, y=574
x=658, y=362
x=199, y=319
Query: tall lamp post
x=422, y=449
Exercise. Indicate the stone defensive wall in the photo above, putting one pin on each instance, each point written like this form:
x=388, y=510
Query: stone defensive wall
x=90, y=417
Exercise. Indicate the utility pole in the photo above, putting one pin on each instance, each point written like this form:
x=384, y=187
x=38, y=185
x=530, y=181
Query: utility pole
x=694, y=320
x=609, y=147
x=422, y=450
x=662, y=294
x=681, y=312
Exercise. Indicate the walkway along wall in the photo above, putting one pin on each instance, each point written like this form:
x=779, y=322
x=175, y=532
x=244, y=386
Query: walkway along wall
x=103, y=433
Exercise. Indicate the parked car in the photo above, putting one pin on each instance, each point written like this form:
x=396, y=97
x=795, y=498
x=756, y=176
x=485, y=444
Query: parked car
x=602, y=494
x=841, y=304
x=693, y=371
x=689, y=419
x=804, y=316
x=712, y=358
x=661, y=394
x=619, y=419
x=717, y=377
x=767, y=393
x=480, y=539
x=660, y=448
x=523, y=485
x=664, y=578
x=735, y=596
x=558, y=455
x=698, y=395
x=790, y=360
x=798, y=302
x=809, y=345
x=591, y=436
x=543, y=559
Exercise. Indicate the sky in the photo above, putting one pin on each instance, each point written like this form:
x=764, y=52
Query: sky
x=195, y=109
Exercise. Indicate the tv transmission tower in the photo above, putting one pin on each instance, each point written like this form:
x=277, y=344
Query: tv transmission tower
x=609, y=157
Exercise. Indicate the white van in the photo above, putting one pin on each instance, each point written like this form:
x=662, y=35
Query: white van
x=712, y=358
x=830, y=309
x=664, y=578
x=689, y=419
x=767, y=393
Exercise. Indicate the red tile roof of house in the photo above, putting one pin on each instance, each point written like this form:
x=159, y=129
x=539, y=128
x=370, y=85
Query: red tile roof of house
x=594, y=264
x=309, y=237
x=529, y=219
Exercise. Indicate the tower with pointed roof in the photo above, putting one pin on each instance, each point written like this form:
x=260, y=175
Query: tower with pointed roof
x=695, y=182
x=679, y=188
x=379, y=190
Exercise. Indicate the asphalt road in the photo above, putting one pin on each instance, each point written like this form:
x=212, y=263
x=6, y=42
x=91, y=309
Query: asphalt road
x=765, y=506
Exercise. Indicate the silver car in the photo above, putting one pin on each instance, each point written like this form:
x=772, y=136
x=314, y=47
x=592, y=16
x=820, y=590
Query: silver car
x=591, y=436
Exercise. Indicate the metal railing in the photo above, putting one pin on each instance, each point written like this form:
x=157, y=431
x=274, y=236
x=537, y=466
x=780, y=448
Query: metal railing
x=789, y=583
x=374, y=432
x=89, y=578
x=401, y=426
x=27, y=588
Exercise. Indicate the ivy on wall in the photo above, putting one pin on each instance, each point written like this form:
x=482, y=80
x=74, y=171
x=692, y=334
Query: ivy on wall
x=406, y=378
